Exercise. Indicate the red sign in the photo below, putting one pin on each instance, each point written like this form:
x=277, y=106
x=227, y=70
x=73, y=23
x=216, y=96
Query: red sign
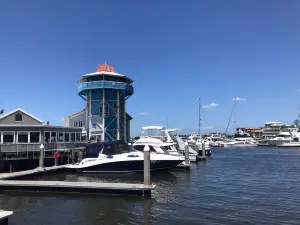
x=105, y=67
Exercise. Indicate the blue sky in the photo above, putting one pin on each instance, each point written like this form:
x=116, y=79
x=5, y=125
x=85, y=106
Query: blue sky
x=175, y=51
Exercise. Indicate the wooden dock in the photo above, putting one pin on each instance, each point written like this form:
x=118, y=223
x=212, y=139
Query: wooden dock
x=8, y=182
x=37, y=170
x=75, y=187
x=4, y=216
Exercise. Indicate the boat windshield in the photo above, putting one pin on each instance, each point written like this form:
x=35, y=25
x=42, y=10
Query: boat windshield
x=155, y=133
x=117, y=148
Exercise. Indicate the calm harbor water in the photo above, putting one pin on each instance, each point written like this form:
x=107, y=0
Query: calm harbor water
x=236, y=186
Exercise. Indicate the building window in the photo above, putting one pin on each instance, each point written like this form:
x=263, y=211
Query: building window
x=72, y=137
x=22, y=137
x=18, y=117
x=67, y=137
x=78, y=137
x=53, y=137
x=8, y=137
x=60, y=137
x=75, y=123
x=80, y=123
x=34, y=137
x=47, y=137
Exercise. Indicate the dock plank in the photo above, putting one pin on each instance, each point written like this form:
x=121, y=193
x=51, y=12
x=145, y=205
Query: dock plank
x=30, y=172
x=77, y=187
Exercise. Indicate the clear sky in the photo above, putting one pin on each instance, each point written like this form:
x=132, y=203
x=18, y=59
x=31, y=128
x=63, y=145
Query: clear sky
x=174, y=51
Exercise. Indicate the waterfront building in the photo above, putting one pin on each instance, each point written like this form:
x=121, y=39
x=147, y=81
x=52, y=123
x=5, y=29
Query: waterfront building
x=105, y=93
x=254, y=132
x=21, y=135
x=272, y=129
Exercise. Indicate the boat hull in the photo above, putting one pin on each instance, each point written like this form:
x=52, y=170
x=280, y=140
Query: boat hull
x=239, y=145
x=289, y=145
x=129, y=166
x=207, y=153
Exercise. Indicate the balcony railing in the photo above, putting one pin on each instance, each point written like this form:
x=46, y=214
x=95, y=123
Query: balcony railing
x=84, y=86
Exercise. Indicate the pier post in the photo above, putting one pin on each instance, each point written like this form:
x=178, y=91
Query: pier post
x=147, y=178
x=42, y=155
x=186, y=153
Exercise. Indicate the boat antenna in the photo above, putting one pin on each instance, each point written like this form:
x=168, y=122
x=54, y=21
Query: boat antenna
x=186, y=116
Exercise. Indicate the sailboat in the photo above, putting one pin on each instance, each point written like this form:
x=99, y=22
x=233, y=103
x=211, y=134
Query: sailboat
x=241, y=139
x=199, y=141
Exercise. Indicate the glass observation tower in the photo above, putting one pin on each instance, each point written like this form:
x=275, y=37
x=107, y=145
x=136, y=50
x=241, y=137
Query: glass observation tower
x=105, y=93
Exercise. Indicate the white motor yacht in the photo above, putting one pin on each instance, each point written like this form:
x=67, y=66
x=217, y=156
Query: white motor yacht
x=119, y=157
x=283, y=137
x=241, y=142
x=158, y=137
x=215, y=140
x=292, y=144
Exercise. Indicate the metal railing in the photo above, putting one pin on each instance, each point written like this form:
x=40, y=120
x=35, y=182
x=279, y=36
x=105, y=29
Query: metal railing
x=35, y=147
x=105, y=84
x=32, y=151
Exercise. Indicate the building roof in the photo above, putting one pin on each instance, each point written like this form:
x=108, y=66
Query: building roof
x=20, y=110
x=129, y=117
x=75, y=114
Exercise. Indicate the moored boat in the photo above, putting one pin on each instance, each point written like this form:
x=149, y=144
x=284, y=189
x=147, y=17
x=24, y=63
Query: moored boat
x=119, y=157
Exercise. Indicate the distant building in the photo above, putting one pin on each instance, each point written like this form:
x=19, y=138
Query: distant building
x=272, y=129
x=254, y=132
x=21, y=135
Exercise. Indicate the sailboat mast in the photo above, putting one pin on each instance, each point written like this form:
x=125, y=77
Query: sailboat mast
x=199, y=125
x=167, y=122
x=234, y=115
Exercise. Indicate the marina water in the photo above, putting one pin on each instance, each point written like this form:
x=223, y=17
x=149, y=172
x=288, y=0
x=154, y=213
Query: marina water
x=235, y=186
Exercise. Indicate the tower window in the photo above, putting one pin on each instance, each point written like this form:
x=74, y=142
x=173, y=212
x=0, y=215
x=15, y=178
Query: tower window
x=18, y=117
